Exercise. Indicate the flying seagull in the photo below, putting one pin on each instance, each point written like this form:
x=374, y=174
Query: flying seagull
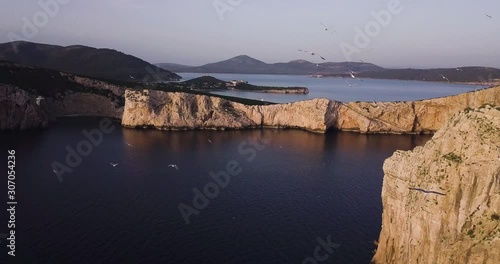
x=444, y=77
x=210, y=141
x=350, y=85
x=426, y=191
x=331, y=30
x=130, y=145
x=113, y=164
x=312, y=53
x=38, y=99
x=173, y=166
x=54, y=170
x=132, y=77
x=488, y=16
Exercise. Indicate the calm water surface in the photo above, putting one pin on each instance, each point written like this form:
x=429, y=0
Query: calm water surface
x=299, y=187
x=338, y=89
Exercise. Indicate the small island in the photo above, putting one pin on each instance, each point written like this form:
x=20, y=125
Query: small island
x=209, y=83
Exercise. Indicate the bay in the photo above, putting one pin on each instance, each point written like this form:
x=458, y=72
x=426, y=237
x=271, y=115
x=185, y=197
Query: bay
x=339, y=89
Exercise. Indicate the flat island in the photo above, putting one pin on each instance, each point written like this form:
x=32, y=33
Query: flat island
x=209, y=83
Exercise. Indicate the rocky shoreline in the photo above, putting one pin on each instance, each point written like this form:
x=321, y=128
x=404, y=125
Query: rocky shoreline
x=178, y=110
x=186, y=111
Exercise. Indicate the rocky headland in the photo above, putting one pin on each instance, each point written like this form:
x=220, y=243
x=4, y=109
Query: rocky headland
x=441, y=202
x=146, y=108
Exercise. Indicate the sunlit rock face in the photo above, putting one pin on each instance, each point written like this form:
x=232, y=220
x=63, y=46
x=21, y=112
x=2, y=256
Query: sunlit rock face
x=425, y=116
x=442, y=201
x=188, y=111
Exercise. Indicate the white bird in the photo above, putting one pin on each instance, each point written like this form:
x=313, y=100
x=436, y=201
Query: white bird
x=458, y=69
x=210, y=141
x=54, y=170
x=350, y=85
x=173, y=166
x=352, y=73
x=444, y=77
x=113, y=164
x=488, y=16
x=38, y=99
x=130, y=145
x=132, y=77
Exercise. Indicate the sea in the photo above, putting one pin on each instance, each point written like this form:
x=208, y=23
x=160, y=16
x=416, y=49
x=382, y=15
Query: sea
x=244, y=196
x=340, y=89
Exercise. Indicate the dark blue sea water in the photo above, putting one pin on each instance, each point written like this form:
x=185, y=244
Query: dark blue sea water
x=338, y=89
x=291, y=190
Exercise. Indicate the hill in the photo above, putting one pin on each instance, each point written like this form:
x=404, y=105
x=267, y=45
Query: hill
x=245, y=64
x=462, y=74
x=54, y=84
x=82, y=60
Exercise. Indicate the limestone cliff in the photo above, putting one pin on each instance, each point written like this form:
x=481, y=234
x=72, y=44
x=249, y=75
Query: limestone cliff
x=442, y=201
x=188, y=111
x=424, y=116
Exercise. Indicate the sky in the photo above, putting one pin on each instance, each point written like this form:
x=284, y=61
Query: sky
x=389, y=33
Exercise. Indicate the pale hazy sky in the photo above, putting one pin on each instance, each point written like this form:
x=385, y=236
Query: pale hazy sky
x=425, y=33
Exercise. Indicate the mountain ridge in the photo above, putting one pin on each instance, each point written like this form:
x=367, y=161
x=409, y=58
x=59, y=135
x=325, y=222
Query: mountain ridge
x=248, y=65
x=244, y=64
x=83, y=60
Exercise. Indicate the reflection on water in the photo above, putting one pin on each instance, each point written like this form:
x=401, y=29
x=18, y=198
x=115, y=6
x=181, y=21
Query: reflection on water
x=298, y=187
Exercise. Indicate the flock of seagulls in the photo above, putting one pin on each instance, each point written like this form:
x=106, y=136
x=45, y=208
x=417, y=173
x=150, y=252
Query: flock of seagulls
x=332, y=31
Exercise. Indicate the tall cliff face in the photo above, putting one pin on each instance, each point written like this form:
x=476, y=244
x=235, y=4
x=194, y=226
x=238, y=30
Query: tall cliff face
x=188, y=111
x=442, y=201
x=425, y=116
